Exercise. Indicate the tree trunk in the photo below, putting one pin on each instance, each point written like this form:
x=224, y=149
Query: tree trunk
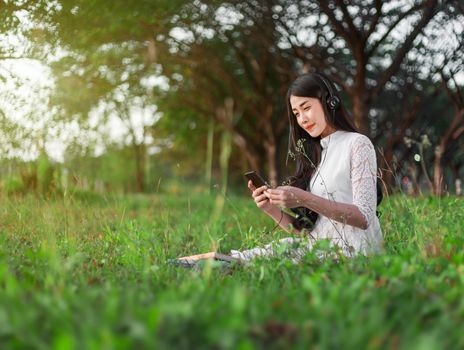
x=395, y=139
x=358, y=93
x=450, y=134
x=271, y=151
x=241, y=143
x=224, y=157
x=360, y=113
x=209, y=155
x=437, y=169
x=270, y=145
x=227, y=113
x=224, y=115
x=139, y=152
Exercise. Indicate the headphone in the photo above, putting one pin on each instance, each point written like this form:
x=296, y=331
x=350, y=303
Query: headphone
x=332, y=101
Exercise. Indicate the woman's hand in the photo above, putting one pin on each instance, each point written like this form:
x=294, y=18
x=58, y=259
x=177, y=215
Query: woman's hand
x=286, y=196
x=259, y=197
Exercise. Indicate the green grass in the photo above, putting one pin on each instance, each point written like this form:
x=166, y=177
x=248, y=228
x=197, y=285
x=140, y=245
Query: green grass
x=90, y=273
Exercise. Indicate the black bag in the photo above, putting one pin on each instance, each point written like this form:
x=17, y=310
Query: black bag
x=306, y=218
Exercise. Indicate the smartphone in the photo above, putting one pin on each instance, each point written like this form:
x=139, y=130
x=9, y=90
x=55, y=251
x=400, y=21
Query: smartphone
x=257, y=180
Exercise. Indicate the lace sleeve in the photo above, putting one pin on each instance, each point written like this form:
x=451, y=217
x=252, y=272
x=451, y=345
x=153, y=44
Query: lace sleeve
x=363, y=177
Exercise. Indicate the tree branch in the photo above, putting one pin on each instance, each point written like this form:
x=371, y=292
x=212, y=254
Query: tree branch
x=458, y=133
x=302, y=52
x=390, y=29
x=451, y=95
x=338, y=26
x=243, y=59
x=374, y=22
x=348, y=20
x=429, y=12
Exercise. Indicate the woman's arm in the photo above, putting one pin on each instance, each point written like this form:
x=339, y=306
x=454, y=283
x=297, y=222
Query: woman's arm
x=342, y=212
x=363, y=176
x=283, y=219
x=291, y=197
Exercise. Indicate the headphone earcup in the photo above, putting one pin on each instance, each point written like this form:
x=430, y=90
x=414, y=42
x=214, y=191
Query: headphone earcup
x=333, y=102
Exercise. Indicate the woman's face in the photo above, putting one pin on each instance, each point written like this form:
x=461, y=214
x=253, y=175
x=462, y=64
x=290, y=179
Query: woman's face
x=310, y=116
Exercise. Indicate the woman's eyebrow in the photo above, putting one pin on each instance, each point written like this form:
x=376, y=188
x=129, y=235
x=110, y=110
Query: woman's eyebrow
x=301, y=105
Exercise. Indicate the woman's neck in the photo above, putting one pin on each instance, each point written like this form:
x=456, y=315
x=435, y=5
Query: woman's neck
x=328, y=131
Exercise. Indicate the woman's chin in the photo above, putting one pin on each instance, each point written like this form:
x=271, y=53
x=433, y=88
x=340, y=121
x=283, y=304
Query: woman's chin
x=313, y=133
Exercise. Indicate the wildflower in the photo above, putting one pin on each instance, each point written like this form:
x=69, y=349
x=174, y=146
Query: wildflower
x=300, y=146
x=408, y=142
x=425, y=141
x=292, y=155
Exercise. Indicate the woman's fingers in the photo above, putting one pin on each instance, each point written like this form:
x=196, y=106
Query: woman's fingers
x=277, y=202
x=264, y=195
x=277, y=197
x=261, y=198
x=251, y=186
x=259, y=191
x=274, y=194
x=258, y=194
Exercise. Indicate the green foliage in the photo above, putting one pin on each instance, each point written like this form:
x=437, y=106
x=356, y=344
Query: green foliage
x=12, y=185
x=45, y=172
x=17, y=177
x=90, y=273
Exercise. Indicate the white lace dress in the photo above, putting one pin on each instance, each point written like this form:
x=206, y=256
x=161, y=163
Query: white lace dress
x=346, y=174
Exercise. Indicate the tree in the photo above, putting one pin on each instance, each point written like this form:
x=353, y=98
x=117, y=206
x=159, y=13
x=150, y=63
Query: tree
x=247, y=51
x=104, y=69
x=240, y=61
x=440, y=53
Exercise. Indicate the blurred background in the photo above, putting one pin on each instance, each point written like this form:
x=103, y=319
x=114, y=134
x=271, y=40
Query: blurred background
x=172, y=96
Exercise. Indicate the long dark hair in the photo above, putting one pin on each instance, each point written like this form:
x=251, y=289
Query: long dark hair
x=301, y=144
x=305, y=149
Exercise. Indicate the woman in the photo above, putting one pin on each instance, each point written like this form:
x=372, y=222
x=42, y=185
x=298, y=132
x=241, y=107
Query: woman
x=335, y=178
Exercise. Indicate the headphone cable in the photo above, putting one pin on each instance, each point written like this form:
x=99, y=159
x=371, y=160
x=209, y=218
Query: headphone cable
x=280, y=220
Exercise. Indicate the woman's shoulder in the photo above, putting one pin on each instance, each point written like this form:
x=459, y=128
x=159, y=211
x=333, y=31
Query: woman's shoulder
x=355, y=138
x=356, y=143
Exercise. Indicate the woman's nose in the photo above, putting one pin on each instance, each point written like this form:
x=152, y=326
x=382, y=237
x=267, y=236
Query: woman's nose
x=304, y=118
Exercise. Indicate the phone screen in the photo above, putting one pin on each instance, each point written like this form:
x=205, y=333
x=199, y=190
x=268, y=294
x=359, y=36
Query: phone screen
x=257, y=180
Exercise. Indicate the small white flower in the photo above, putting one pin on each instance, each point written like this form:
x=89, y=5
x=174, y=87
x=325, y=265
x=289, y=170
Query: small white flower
x=408, y=142
x=425, y=141
x=292, y=155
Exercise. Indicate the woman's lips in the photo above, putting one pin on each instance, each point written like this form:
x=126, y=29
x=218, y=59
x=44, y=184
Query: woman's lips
x=309, y=127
